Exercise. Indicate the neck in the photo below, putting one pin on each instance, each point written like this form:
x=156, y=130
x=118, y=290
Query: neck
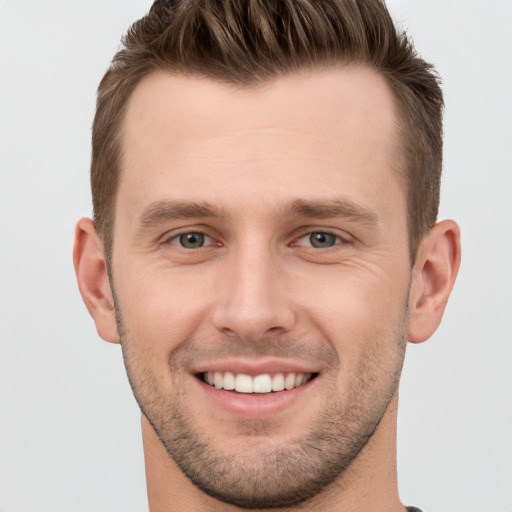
x=369, y=484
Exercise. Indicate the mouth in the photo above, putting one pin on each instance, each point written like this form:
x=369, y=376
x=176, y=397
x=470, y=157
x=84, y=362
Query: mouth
x=255, y=389
x=261, y=384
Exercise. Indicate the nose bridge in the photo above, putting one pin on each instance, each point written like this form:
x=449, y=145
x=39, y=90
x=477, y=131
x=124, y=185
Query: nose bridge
x=254, y=299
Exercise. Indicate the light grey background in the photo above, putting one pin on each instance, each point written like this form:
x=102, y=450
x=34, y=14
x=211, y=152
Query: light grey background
x=69, y=427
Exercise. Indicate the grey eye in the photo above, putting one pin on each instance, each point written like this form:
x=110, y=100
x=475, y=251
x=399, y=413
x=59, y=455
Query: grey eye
x=191, y=240
x=322, y=240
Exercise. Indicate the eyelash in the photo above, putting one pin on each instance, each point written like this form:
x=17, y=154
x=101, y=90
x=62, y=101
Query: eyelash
x=177, y=237
x=340, y=240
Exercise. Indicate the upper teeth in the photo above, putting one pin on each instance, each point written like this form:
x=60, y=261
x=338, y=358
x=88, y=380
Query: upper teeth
x=264, y=383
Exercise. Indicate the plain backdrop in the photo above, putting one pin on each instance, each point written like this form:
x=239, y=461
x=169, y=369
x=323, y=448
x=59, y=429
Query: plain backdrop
x=69, y=427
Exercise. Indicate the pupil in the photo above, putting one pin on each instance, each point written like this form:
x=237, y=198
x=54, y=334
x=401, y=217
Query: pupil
x=322, y=240
x=192, y=240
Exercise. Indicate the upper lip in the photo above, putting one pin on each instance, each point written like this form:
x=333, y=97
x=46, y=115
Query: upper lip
x=256, y=366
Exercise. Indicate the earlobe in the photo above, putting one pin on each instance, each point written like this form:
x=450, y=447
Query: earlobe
x=91, y=273
x=434, y=274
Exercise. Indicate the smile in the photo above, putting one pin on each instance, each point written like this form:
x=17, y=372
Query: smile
x=263, y=383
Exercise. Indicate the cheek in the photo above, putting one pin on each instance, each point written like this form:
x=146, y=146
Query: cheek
x=160, y=309
x=357, y=309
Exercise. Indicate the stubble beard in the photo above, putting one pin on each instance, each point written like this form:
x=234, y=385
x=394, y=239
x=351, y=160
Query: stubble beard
x=269, y=478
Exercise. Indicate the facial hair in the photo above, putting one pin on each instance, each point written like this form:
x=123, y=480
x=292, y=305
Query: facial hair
x=271, y=476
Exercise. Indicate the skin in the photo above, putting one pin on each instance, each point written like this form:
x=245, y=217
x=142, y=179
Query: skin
x=258, y=294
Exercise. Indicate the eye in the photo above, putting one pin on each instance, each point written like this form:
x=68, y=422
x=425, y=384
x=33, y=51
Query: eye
x=319, y=240
x=191, y=240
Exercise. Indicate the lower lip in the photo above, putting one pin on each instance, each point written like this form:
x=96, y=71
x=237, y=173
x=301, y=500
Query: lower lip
x=255, y=405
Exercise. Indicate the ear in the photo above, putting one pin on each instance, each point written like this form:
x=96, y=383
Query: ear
x=91, y=273
x=434, y=273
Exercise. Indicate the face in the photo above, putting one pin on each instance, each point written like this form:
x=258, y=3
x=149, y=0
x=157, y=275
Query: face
x=261, y=274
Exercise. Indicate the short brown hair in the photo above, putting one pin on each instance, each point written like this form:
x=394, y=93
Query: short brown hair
x=246, y=42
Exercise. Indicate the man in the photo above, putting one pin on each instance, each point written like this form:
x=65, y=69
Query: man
x=265, y=179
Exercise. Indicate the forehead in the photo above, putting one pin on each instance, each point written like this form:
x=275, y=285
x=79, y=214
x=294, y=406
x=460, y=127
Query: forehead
x=298, y=134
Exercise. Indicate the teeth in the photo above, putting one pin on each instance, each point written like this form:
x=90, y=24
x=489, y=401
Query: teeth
x=278, y=382
x=218, y=380
x=264, y=383
x=289, y=382
x=229, y=381
x=243, y=383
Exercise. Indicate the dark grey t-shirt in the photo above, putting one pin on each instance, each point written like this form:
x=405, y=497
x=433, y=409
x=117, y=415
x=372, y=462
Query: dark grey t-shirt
x=413, y=509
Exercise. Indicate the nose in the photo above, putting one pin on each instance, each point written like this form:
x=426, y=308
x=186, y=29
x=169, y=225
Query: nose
x=253, y=299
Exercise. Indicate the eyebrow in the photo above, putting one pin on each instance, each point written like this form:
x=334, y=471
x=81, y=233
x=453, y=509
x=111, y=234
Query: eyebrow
x=163, y=211
x=323, y=209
